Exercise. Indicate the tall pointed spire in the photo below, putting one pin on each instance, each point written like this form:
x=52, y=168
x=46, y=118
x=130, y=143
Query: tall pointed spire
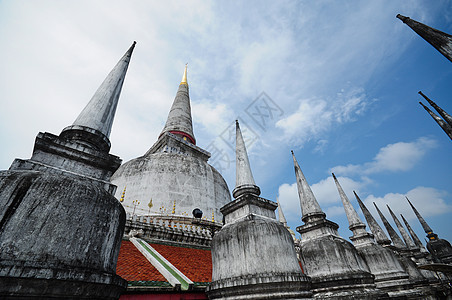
x=244, y=182
x=415, y=238
x=442, y=113
x=446, y=127
x=184, y=76
x=281, y=216
x=440, y=40
x=308, y=202
x=396, y=240
x=353, y=218
x=408, y=241
x=179, y=120
x=424, y=224
x=377, y=231
x=93, y=126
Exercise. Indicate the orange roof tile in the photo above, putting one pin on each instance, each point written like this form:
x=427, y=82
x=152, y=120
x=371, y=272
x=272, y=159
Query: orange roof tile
x=196, y=264
x=133, y=266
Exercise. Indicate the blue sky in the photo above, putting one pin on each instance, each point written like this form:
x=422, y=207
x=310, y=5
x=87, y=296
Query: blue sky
x=340, y=80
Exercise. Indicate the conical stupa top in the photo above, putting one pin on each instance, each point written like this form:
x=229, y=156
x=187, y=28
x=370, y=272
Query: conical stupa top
x=244, y=180
x=281, y=216
x=442, y=113
x=413, y=235
x=424, y=224
x=396, y=240
x=353, y=218
x=440, y=40
x=377, y=231
x=184, y=76
x=179, y=120
x=97, y=117
x=446, y=127
x=308, y=202
x=408, y=241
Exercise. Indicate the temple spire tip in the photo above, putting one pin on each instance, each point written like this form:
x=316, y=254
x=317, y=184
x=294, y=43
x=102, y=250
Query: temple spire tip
x=184, y=76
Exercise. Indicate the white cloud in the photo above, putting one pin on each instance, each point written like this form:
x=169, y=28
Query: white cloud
x=314, y=117
x=428, y=201
x=213, y=117
x=397, y=157
x=325, y=192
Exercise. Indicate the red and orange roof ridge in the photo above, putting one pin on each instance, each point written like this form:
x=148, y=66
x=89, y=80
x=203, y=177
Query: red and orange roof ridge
x=133, y=266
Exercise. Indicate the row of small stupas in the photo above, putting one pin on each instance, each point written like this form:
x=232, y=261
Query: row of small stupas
x=61, y=228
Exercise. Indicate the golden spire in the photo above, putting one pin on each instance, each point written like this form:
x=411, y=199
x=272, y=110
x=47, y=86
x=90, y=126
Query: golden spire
x=174, y=207
x=123, y=194
x=213, y=217
x=184, y=77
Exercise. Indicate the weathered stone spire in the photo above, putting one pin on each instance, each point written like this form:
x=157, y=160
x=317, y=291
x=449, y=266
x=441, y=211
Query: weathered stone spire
x=244, y=181
x=354, y=221
x=396, y=240
x=281, y=216
x=442, y=113
x=408, y=241
x=179, y=118
x=446, y=127
x=93, y=126
x=308, y=202
x=438, y=39
x=377, y=231
x=413, y=235
x=424, y=224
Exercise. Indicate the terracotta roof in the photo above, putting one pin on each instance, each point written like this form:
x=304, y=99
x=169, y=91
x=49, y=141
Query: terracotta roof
x=133, y=266
x=196, y=264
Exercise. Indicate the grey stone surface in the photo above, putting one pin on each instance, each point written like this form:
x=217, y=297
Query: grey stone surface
x=406, y=238
x=179, y=120
x=173, y=171
x=308, y=203
x=377, y=231
x=389, y=273
x=93, y=126
x=60, y=226
x=244, y=180
x=413, y=235
x=442, y=112
x=440, y=249
x=253, y=255
x=395, y=238
x=337, y=269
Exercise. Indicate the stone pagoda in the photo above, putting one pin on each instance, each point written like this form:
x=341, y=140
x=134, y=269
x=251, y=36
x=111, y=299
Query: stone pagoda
x=253, y=255
x=60, y=225
x=335, y=266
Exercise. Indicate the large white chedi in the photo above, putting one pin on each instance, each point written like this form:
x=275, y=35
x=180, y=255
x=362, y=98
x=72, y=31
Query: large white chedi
x=174, y=172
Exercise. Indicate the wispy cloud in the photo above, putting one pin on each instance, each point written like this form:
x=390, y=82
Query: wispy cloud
x=397, y=157
x=314, y=117
x=428, y=201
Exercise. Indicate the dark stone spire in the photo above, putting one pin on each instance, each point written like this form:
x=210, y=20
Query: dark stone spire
x=354, y=221
x=60, y=225
x=244, y=181
x=408, y=241
x=396, y=240
x=308, y=202
x=446, y=127
x=93, y=126
x=179, y=120
x=442, y=113
x=377, y=231
x=424, y=224
x=440, y=40
x=413, y=235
